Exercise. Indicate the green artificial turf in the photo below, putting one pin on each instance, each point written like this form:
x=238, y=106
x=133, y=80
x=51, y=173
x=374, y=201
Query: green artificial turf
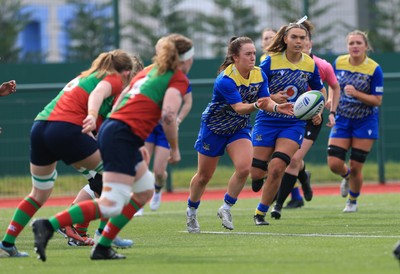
x=317, y=238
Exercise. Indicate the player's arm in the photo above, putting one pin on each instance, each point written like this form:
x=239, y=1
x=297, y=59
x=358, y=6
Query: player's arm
x=96, y=98
x=368, y=99
x=8, y=87
x=186, y=107
x=171, y=104
x=333, y=102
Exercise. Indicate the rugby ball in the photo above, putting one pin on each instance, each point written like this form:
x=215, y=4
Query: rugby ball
x=308, y=104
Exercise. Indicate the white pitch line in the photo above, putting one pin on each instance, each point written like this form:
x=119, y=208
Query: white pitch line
x=299, y=235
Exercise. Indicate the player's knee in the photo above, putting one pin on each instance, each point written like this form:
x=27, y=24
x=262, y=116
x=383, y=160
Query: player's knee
x=96, y=183
x=116, y=196
x=89, y=191
x=144, y=196
x=338, y=152
x=44, y=182
x=144, y=183
x=257, y=163
x=358, y=155
x=282, y=156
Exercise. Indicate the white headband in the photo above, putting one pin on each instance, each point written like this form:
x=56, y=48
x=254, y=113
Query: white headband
x=187, y=55
x=302, y=20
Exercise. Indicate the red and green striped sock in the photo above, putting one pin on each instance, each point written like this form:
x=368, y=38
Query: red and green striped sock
x=82, y=212
x=115, y=224
x=22, y=215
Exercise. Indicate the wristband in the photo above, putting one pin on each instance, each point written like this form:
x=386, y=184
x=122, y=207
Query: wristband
x=333, y=112
x=255, y=105
x=275, y=108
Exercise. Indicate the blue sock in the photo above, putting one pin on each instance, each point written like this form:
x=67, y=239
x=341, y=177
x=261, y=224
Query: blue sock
x=296, y=194
x=262, y=209
x=229, y=200
x=193, y=204
x=353, y=197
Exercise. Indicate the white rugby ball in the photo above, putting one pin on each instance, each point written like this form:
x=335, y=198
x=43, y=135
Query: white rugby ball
x=308, y=104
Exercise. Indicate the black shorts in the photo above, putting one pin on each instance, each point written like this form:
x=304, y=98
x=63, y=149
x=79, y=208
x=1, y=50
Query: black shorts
x=119, y=147
x=52, y=141
x=312, y=131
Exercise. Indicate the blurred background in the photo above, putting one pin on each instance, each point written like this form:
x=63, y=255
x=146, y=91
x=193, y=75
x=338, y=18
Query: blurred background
x=45, y=43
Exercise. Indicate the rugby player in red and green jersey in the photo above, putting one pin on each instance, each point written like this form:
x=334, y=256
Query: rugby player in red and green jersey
x=155, y=93
x=57, y=135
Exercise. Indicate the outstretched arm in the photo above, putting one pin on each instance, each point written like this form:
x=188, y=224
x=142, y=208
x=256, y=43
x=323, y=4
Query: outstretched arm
x=8, y=87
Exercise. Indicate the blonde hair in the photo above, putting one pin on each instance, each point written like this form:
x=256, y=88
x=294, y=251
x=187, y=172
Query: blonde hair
x=168, y=49
x=364, y=35
x=106, y=63
x=137, y=65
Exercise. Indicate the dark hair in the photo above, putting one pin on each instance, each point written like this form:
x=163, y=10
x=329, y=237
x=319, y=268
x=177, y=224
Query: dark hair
x=234, y=46
x=309, y=26
x=278, y=43
x=269, y=29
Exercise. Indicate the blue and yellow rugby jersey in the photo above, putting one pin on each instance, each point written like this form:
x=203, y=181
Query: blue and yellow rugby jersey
x=231, y=88
x=294, y=79
x=367, y=78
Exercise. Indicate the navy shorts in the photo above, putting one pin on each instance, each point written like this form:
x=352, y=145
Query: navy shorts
x=119, y=147
x=52, y=141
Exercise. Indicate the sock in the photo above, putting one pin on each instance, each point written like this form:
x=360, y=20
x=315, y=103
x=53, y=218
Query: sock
x=302, y=175
x=157, y=188
x=192, y=207
x=22, y=215
x=229, y=201
x=296, y=193
x=82, y=212
x=286, y=187
x=261, y=209
x=115, y=224
x=347, y=175
x=88, y=174
x=82, y=228
x=353, y=197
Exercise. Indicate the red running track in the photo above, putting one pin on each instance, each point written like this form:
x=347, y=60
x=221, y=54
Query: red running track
x=216, y=194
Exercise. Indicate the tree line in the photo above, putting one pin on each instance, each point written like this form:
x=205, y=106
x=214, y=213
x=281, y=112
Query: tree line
x=91, y=28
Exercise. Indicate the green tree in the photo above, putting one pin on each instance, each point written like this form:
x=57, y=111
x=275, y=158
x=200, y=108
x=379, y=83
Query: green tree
x=152, y=19
x=233, y=19
x=12, y=22
x=89, y=31
x=292, y=10
x=384, y=26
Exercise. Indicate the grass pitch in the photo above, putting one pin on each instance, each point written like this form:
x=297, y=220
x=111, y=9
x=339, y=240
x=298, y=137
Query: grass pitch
x=318, y=238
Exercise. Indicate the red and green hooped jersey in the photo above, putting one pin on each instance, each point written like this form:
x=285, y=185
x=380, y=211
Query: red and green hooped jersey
x=70, y=105
x=141, y=106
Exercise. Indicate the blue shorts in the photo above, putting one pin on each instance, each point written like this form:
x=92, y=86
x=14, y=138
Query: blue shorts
x=266, y=135
x=213, y=145
x=119, y=147
x=358, y=128
x=158, y=138
x=52, y=141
